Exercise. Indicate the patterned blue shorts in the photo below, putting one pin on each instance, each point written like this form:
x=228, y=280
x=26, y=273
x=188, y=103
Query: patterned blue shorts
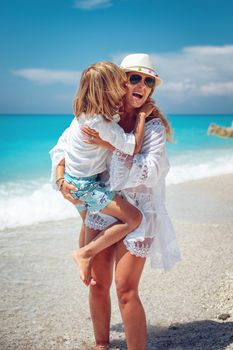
x=91, y=191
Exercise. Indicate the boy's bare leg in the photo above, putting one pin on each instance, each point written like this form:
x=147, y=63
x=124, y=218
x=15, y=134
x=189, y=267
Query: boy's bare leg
x=85, y=263
x=130, y=218
x=81, y=241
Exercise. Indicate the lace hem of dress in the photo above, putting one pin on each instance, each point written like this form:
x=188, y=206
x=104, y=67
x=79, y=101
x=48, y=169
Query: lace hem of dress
x=140, y=247
x=99, y=222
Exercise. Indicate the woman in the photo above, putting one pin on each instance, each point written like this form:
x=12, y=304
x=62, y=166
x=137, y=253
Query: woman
x=141, y=179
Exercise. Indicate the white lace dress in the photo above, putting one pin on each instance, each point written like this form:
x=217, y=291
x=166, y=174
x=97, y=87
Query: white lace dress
x=141, y=180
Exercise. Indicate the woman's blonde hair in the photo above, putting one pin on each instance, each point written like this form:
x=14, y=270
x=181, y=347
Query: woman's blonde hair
x=101, y=90
x=157, y=113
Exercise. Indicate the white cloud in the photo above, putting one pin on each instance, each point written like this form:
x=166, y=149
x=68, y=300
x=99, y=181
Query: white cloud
x=92, y=4
x=179, y=86
x=46, y=76
x=219, y=89
x=210, y=50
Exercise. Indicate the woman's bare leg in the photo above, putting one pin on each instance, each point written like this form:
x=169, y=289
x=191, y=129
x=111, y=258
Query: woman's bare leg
x=99, y=295
x=130, y=218
x=128, y=272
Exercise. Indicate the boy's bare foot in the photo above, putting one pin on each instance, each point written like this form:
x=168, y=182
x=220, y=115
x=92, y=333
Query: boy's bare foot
x=84, y=265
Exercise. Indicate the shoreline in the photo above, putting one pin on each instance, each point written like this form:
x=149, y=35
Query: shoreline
x=45, y=307
x=171, y=189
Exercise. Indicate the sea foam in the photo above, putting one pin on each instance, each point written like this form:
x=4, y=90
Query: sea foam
x=200, y=165
x=27, y=203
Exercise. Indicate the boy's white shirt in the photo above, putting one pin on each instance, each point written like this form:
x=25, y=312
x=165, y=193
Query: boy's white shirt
x=82, y=159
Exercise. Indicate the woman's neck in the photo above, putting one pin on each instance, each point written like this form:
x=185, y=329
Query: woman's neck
x=129, y=112
x=128, y=119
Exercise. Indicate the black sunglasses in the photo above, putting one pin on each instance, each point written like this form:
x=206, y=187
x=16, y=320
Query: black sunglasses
x=135, y=79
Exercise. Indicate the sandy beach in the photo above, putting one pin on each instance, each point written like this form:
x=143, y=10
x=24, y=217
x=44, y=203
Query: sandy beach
x=44, y=306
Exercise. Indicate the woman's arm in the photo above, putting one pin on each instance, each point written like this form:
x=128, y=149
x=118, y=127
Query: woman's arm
x=144, y=168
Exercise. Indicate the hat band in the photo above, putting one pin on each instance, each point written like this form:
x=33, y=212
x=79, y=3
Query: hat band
x=142, y=70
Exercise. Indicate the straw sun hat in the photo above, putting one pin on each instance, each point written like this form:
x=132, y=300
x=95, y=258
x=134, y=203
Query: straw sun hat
x=141, y=63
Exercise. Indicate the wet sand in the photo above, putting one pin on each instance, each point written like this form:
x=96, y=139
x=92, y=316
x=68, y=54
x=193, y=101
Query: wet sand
x=44, y=306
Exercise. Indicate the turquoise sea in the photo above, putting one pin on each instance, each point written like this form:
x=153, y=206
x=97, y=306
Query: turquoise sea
x=26, y=196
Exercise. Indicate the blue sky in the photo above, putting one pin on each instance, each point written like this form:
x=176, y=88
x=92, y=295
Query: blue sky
x=45, y=45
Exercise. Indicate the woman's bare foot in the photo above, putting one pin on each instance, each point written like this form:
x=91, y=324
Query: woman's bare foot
x=84, y=265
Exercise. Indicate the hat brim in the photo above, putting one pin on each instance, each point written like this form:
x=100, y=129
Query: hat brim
x=146, y=71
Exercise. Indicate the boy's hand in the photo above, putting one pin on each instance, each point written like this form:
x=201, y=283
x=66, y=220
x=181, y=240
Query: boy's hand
x=91, y=135
x=93, y=138
x=147, y=109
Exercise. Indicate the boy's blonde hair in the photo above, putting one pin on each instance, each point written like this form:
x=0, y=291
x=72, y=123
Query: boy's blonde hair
x=101, y=90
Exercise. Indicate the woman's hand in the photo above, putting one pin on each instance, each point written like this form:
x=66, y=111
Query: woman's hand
x=65, y=190
x=93, y=138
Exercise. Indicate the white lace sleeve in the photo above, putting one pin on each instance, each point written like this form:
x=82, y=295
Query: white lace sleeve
x=144, y=168
x=57, y=153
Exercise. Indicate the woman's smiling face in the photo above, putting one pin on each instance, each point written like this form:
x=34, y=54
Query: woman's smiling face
x=137, y=93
